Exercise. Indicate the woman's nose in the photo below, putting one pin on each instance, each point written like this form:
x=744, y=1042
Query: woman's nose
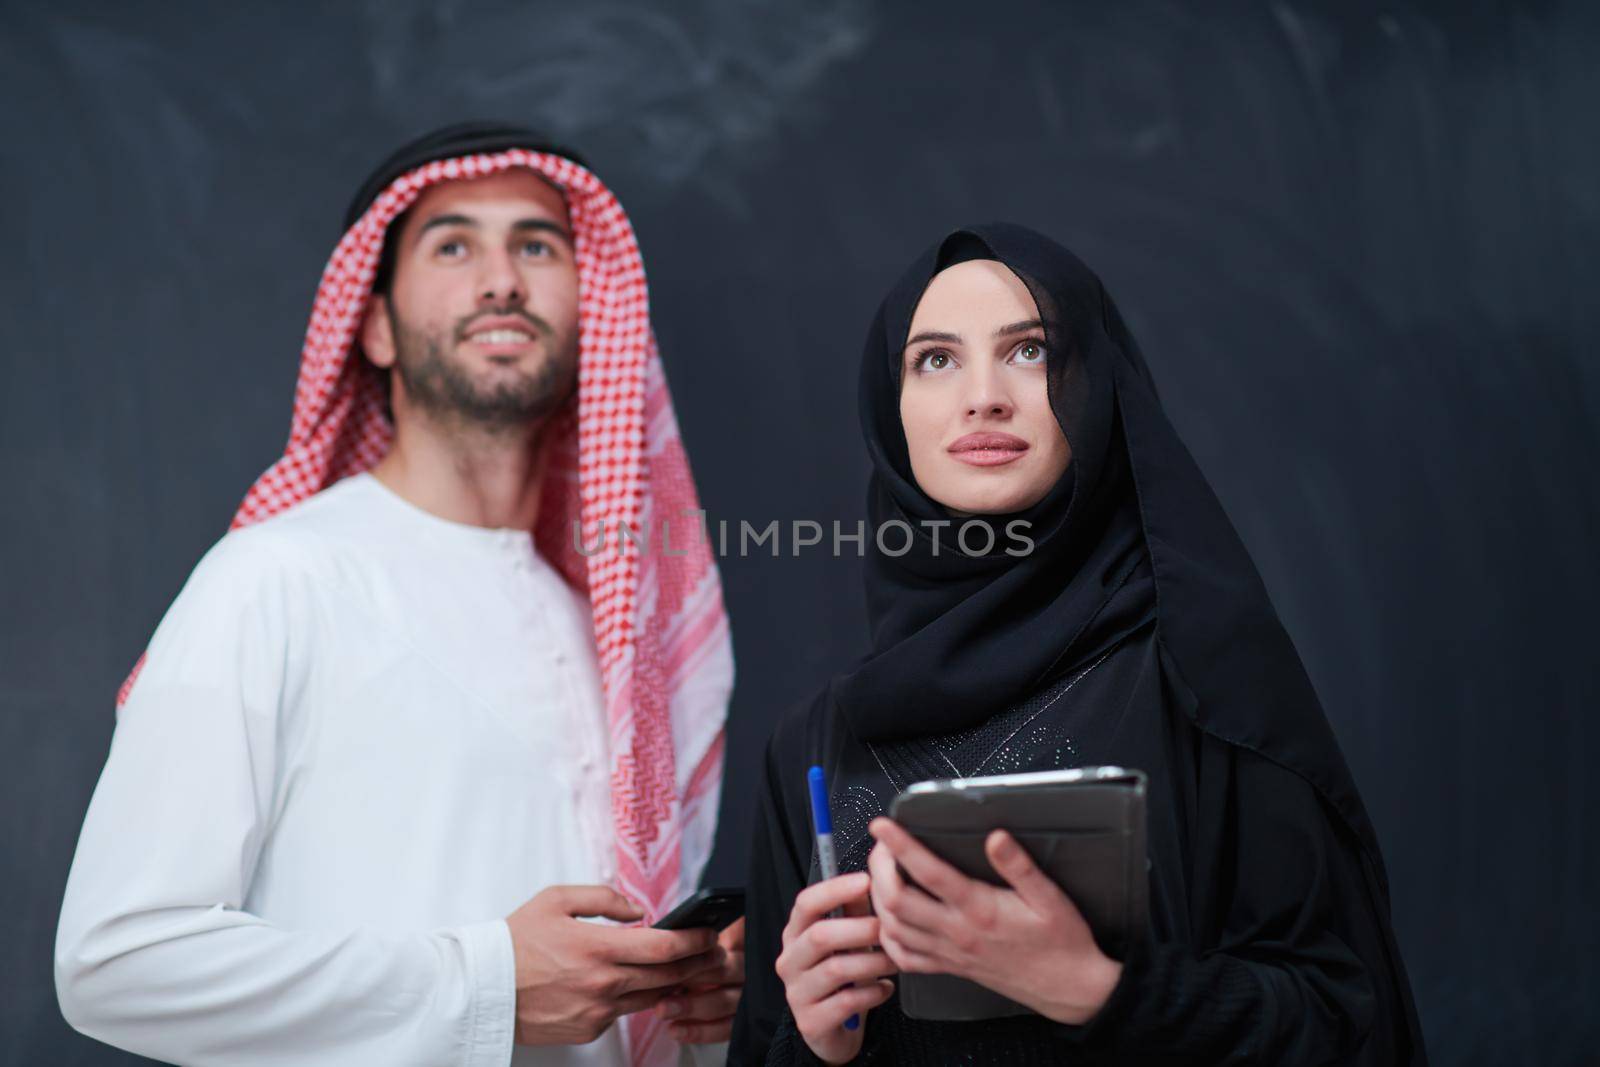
x=986, y=392
x=996, y=408
x=988, y=400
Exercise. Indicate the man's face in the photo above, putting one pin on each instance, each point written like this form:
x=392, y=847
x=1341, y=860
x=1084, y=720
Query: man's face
x=481, y=321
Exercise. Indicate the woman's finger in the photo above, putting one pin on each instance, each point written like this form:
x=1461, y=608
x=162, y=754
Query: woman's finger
x=832, y=1012
x=1012, y=862
x=916, y=939
x=910, y=961
x=825, y=937
x=893, y=895
x=930, y=872
x=835, y=972
x=816, y=901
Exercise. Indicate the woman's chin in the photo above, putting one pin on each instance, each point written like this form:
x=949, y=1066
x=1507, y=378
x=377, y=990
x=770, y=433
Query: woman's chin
x=990, y=499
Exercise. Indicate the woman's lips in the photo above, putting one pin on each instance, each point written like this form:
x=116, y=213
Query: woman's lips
x=988, y=449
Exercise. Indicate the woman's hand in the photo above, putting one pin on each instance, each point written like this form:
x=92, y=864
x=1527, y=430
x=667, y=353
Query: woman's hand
x=827, y=977
x=702, y=1013
x=1028, y=942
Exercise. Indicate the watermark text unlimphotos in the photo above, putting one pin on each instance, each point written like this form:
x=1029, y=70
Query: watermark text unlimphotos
x=665, y=537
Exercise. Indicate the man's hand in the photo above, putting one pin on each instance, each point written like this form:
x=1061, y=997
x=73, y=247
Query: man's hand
x=574, y=978
x=1028, y=942
x=702, y=1012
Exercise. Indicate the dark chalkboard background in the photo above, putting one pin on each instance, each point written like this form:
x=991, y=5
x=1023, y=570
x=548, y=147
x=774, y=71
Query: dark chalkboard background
x=1357, y=242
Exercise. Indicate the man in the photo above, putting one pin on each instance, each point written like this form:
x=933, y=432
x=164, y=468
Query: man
x=398, y=740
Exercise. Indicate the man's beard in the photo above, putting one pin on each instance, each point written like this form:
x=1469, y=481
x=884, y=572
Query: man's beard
x=436, y=381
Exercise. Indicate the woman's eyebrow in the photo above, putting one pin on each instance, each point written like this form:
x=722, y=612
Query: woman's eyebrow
x=955, y=338
x=1018, y=327
x=935, y=335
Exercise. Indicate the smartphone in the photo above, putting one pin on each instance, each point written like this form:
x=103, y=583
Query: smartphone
x=715, y=908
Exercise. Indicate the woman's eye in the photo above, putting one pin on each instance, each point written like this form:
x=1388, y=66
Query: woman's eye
x=935, y=359
x=1029, y=352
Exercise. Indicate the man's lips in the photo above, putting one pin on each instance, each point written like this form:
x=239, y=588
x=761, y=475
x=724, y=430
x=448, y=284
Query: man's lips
x=988, y=449
x=502, y=334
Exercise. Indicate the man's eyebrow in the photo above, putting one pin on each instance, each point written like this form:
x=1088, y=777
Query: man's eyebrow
x=544, y=225
x=520, y=225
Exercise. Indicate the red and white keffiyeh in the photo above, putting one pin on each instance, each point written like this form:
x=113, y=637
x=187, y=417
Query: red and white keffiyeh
x=660, y=630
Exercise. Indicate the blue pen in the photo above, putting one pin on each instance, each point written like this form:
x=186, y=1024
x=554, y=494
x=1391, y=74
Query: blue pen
x=822, y=822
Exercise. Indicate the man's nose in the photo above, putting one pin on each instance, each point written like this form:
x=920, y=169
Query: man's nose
x=499, y=283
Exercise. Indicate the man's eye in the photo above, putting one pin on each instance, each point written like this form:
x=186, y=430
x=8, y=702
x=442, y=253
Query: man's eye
x=537, y=248
x=450, y=248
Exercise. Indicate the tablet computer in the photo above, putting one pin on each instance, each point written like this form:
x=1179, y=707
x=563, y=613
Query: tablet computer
x=1083, y=826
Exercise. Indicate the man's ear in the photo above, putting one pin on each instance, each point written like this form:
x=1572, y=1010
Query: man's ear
x=377, y=332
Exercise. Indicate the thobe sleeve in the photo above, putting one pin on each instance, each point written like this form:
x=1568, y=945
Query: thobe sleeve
x=155, y=952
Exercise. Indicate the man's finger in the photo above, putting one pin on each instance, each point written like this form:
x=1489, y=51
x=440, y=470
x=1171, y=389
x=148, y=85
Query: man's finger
x=930, y=872
x=715, y=971
x=647, y=946
x=639, y=1000
x=663, y=977
x=732, y=937
x=730, y=972
x=703, y=1007
x=702, y=1033
x=584, y=901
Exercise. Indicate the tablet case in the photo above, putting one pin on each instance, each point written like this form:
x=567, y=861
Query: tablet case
x=1084, y=827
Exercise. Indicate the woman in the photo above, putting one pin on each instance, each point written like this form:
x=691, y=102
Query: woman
x=1098, y=608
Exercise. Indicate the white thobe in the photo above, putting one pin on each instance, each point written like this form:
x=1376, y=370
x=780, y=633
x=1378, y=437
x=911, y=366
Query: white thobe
x=363, y=736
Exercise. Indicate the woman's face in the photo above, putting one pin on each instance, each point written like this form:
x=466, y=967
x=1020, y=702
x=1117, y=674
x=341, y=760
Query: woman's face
x=978, y=423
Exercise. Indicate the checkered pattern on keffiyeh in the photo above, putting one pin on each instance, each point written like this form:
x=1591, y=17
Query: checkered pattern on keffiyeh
x=659, y=627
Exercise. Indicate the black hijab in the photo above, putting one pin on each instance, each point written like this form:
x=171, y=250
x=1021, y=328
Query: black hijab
x=957, y=639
